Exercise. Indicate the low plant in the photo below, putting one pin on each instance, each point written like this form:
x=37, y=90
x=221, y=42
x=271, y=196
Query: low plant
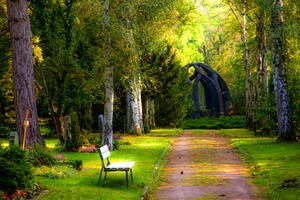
x=15, y=171
x=116, y=144
x=40, y=157
x=214, y=123
x=21, y=194
x=56, y=172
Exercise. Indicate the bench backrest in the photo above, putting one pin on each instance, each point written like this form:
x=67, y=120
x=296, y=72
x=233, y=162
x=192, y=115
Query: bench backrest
x=104, y=154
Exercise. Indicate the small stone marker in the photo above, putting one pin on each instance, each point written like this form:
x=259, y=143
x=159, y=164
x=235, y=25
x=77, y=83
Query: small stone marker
x=67, y=126
x=100, y=123
x=13, y=138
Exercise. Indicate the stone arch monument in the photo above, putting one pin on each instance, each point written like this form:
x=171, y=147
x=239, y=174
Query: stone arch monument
x=217, y=95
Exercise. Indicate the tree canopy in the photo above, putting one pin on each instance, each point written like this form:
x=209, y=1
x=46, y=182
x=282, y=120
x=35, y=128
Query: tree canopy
x=137, y=50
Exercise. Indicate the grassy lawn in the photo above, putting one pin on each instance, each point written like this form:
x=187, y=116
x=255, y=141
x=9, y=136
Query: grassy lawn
x=275, y=166
x=146, y=151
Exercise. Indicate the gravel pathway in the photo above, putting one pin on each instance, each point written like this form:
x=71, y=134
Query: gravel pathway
x=204, y=166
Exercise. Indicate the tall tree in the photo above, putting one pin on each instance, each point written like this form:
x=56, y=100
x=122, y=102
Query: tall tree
x=107, y=130
x=262, y=66
x=23, y=71
x=249, y=84
x=283, y=108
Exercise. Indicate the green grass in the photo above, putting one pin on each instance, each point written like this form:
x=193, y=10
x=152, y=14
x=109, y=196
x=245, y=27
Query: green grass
x=271, y=163
x=145, y=150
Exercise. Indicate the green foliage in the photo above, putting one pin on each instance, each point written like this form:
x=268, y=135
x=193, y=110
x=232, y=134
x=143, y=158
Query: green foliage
x=7, y=113
x=116, y=144
x=214, y=123
x=15, y=170
x=165, y=83
x=56, y=172
x=76, y=164
x=39, y=157
x=77, y=139
x=4, y=132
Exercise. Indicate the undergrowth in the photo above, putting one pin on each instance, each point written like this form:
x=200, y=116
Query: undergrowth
x=214, y=123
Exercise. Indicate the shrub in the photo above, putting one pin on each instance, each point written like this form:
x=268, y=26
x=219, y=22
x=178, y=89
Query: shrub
x=76, y=141
x=4, y=132
x=94, y=139
x=39, y=157
x=214, y=123
x=116, y=144
x=15, y=171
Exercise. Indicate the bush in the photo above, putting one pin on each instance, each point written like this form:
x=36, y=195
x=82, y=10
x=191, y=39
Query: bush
x=77, y=140
x=214, y=123
x=39, y=157
x=15, y=171
x=4, y=132
x=116, y=144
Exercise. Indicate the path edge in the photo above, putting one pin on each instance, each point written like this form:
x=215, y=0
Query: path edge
x=157, y=169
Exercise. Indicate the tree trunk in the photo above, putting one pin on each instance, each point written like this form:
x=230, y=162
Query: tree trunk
x=133, y=108
x=140, y=105
x=23, y=71
x=249, y=86
x=283, y=108
x=152, y=114
x=146, y=115
x=107, y=134
x=262, y=71
x=134, y=97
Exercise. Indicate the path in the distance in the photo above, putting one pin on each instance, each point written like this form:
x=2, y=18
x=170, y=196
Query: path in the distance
x=204, y=166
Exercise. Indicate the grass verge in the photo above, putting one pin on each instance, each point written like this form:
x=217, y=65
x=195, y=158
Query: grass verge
x=148, y=152
x=274, y=166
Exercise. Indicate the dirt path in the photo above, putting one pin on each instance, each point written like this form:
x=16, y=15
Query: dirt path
x=204, y=166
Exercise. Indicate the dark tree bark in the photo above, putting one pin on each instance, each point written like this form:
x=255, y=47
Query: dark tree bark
x=283, y=108
x=23, y=71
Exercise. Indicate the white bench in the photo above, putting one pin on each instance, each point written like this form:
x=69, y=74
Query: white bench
x=117, y=166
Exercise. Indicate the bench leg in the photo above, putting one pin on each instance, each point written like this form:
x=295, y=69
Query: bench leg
x=105, y=175
x=131, y=175
x=100, y=175
x=127, y=178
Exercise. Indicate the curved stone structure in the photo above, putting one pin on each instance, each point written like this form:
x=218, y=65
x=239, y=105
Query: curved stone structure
x=217, y=95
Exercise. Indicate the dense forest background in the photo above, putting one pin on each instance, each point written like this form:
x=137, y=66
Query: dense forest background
x=88, y=53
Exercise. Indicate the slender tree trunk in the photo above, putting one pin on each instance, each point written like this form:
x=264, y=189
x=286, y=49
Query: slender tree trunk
x=249, y=86
x=146, y=115
x=152, y=114
x=133, y=108
x=140, y=104
x=109, y=82
x=283, y=108
x=23, y=71
x=134, y=98
x=262, y=70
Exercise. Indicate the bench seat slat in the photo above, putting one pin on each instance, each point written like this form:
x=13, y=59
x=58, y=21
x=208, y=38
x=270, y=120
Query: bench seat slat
x=120, y=166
